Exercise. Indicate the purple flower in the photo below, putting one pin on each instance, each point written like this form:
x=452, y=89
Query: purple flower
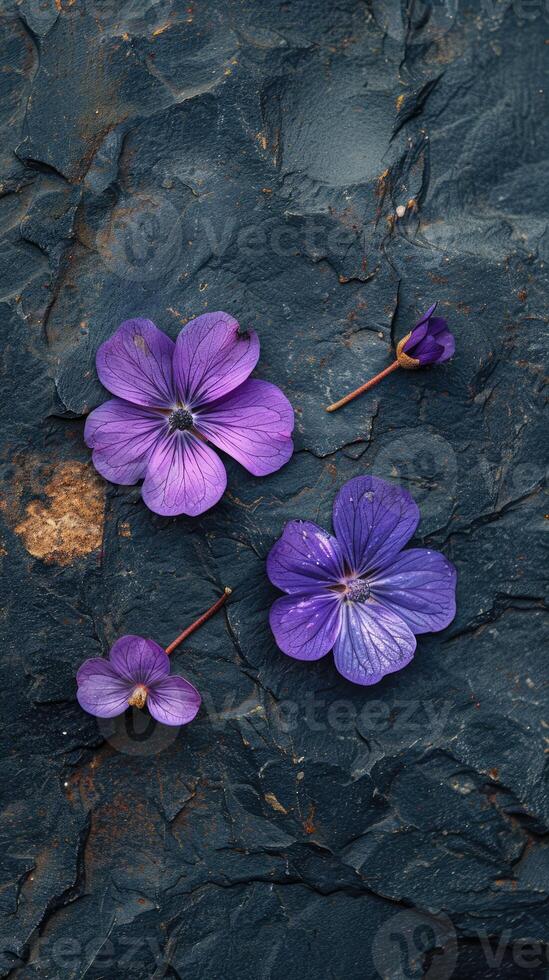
x=173, y=399
x=358, y=592
x=430, y=342
x=137, y=673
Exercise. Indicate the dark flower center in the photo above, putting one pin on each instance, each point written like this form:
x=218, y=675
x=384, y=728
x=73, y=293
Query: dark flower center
x=181, y=418
x=358, y=590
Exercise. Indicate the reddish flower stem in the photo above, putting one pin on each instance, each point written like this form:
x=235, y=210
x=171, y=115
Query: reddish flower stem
x=363, y=388
x=200, y=621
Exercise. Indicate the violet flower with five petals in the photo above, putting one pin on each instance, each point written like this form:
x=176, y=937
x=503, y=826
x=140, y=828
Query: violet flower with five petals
x=173, y=399
x=358, y=593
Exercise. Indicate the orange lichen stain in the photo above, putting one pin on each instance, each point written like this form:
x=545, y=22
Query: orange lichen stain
x=124, y=530
x=160, y=30
x=262, y=140
x=308, y=824
x=276, y=805
x=400, y=102
x=178, y=315
x=69, y=523
x=381, y=183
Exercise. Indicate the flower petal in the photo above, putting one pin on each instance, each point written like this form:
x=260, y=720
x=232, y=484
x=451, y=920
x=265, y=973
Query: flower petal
x=184, y=476
x=427, y=316
x=420, y=330
x=306, y=626
x=437, y=324
x=373, y=520
x=122, y=437
x=417, y=334
x=139, y=660
x=211, y=358
x=252, y=424
x=101, y=690
x=305, y=558
x=448, y=343
x=428, y=351
x=173, y=701
x=136, y=364
x=373, y=641
x=420, y=586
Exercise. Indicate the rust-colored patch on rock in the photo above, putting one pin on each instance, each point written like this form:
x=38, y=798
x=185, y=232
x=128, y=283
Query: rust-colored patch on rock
x=69, y=524
x=276, y=804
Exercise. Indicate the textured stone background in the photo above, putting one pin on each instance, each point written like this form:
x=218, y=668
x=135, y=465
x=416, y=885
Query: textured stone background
x=163, y=158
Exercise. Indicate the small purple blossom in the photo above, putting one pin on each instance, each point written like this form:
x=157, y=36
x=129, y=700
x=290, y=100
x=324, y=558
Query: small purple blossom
x=137, y=673
x=430, y=342
x=173, y=400
x=358, y=593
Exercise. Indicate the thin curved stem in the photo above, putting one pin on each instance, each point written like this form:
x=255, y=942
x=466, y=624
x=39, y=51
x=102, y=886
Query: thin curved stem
x=200, y=621
x=363, y=388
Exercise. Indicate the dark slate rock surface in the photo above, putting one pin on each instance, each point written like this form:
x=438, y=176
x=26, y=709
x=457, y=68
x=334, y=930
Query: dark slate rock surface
x=165, y=158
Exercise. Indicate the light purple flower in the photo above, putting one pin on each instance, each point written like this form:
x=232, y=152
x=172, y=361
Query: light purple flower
x=358, y=593
x=430, y=342
x=173, y=399
x=137, y=673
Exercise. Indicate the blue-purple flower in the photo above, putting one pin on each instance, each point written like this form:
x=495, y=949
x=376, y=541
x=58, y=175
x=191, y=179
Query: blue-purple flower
x=174, y=401
x=430, y=342
x=358, y=592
